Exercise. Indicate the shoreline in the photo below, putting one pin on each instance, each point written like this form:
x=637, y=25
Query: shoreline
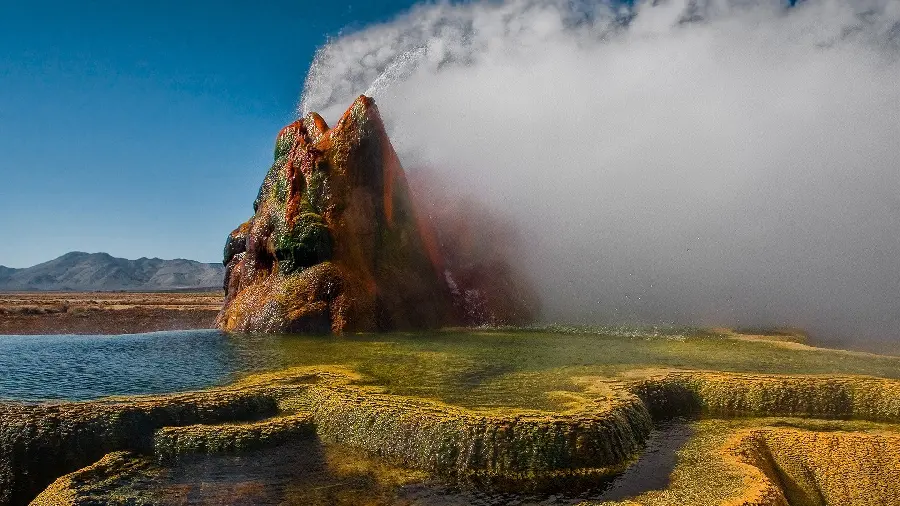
x=120, y=312
x=53, y=313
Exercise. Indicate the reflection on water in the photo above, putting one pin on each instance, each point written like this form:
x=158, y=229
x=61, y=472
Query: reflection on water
x=651, y=471
x=302, y=472
x=307, y=472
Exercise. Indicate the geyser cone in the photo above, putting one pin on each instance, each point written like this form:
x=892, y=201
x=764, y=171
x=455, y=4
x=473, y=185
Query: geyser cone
x=334, y=243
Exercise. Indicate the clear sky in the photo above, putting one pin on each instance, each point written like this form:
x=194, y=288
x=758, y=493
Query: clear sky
x=145, y=128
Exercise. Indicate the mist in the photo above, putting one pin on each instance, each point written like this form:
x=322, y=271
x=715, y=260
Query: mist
x=723, y=162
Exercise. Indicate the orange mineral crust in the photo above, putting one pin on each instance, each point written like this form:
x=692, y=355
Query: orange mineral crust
x=334, y=244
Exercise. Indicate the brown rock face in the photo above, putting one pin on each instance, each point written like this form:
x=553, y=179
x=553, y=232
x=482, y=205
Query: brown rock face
x=334, y=244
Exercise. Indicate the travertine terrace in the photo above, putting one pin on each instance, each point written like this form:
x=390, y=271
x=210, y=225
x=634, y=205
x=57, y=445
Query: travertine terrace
x=760, y=439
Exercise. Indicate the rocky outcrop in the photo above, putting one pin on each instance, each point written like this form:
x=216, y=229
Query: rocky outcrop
x=336, y=245
x=333, y=244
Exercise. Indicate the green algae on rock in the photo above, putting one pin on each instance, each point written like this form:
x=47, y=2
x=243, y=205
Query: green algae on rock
x=597, y=438
x=740, y=462
x=301, y=473
x=41, y=443
x=731, y=395
x=118, y=475
x=170, y=442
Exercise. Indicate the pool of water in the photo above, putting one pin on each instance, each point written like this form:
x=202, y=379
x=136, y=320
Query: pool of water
x=309, y=474
x=85, y=367
x=474, y=369
x=306, y=472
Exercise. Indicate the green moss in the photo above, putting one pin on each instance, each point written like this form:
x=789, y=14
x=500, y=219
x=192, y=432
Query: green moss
x=171, y=442
x=517, y=369
x=119, y=478
x=303, y=472
x=39, y=443
x=511, y=409
x=273, y=186
x=733, y=395
x=316, y=193
x=781, y=462
x=597, y=434
x=595, y=437
x=285, y=142
x=307, y=244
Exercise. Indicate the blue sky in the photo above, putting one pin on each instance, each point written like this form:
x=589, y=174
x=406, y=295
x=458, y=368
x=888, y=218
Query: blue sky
x=144, y=128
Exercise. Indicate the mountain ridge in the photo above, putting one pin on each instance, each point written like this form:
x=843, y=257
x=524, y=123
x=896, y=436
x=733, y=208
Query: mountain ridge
x=81, y=271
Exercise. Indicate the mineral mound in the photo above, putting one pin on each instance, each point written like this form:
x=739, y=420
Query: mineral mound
x=335, y=244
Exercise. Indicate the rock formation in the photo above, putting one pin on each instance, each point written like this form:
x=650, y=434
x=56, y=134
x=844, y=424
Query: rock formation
x=335, y=243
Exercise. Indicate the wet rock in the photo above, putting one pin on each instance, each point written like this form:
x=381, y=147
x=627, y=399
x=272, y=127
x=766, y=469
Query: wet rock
x=334, y=244
x=103, y=483
x=39, y=443
x=681, y=393
x=170, y=442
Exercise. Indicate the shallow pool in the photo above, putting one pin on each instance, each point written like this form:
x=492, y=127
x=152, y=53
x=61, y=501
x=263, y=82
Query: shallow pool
x=514, y=368
x=86, y=367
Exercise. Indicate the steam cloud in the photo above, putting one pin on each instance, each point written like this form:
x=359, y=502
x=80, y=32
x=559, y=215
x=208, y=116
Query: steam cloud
x=694, y=162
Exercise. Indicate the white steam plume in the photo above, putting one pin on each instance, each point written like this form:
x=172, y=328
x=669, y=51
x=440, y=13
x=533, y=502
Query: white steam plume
x=730, y=162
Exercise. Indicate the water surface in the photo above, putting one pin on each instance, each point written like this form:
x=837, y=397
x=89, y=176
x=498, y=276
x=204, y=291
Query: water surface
x=488, y=369
x=306, y=472
x=76, y=367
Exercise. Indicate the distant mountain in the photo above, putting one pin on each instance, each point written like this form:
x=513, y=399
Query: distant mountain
x=6, y=272
x=79, y=271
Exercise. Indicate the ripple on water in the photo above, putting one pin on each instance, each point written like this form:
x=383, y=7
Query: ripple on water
x=57, y=367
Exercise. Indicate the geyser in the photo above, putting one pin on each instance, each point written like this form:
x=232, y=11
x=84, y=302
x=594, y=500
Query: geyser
x=698, y=162
x=336, y=244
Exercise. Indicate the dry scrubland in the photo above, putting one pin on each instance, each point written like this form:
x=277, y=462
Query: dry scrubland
x=759, y=439
x=106, y=312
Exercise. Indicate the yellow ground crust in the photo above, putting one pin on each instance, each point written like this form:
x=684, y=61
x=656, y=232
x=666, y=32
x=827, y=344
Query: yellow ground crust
x=783, y=462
